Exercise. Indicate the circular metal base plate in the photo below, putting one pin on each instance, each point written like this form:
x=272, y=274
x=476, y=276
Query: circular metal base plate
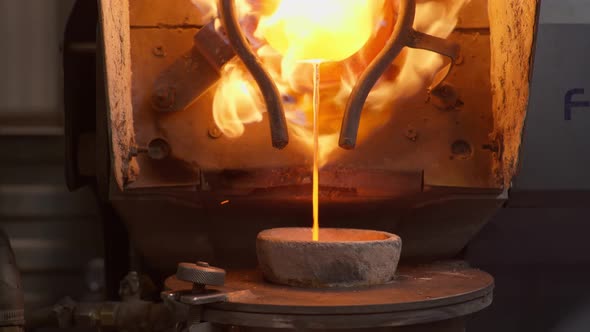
x=419, y=294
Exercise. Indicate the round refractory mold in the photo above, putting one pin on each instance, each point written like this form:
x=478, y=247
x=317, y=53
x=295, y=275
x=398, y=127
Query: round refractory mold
x=342, y=257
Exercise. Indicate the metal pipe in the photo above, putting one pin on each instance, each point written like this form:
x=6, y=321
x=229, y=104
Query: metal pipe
x=360, y=92
x=11, y=292
x=133, y=315
x=272, y=97
x=403, y=35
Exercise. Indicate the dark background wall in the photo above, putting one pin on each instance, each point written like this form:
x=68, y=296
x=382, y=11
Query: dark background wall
x=55, y=233
x=539, y=256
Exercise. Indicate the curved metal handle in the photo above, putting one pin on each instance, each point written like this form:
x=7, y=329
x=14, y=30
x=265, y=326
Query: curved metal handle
x=272, y=97
x=403, y=35
x=398, y=40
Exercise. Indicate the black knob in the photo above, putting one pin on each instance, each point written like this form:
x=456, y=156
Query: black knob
x=201, y=274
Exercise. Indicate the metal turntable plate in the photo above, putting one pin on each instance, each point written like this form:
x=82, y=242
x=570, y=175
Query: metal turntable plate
x=419, y=294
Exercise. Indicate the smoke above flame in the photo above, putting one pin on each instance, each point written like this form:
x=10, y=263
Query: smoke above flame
x=346, y=35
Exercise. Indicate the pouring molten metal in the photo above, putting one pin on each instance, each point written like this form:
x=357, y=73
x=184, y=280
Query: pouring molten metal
x=345, y=35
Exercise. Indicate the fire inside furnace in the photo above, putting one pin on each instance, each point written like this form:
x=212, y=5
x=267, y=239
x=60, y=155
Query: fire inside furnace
x=292, y=38
x=301, y=31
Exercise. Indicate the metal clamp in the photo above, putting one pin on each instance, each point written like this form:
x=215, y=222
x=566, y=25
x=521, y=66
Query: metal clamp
x=191, y=75
x=187, y=304
x=200, y=275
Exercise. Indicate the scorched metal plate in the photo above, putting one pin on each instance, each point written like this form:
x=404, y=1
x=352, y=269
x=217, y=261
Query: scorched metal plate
x=419, y=294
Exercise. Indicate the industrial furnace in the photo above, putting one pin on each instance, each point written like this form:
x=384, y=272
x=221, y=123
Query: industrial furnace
x=314, y=165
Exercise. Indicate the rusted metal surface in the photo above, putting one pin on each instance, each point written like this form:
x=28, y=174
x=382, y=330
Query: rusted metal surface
x=385, y=149
x=288, y=184
x=436, y=130
x=225, y=168
x=474, y=15
x=433, y=131
x=295, y=183
x=403, y=35
x=419, y=294
x=341, y=258
x=193, y=73
x=272, y=97
x=163, y=173
x=213, y=46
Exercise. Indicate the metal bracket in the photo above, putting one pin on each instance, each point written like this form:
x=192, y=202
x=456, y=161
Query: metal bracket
x=187, y=307
x=192, y=74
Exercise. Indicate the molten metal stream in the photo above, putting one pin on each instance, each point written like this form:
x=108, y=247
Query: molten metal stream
x=316, y=148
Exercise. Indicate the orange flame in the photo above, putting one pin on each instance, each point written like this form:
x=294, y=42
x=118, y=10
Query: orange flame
x=319, y=30
x=244, y=106
x=285, y=32
x=347, y=34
